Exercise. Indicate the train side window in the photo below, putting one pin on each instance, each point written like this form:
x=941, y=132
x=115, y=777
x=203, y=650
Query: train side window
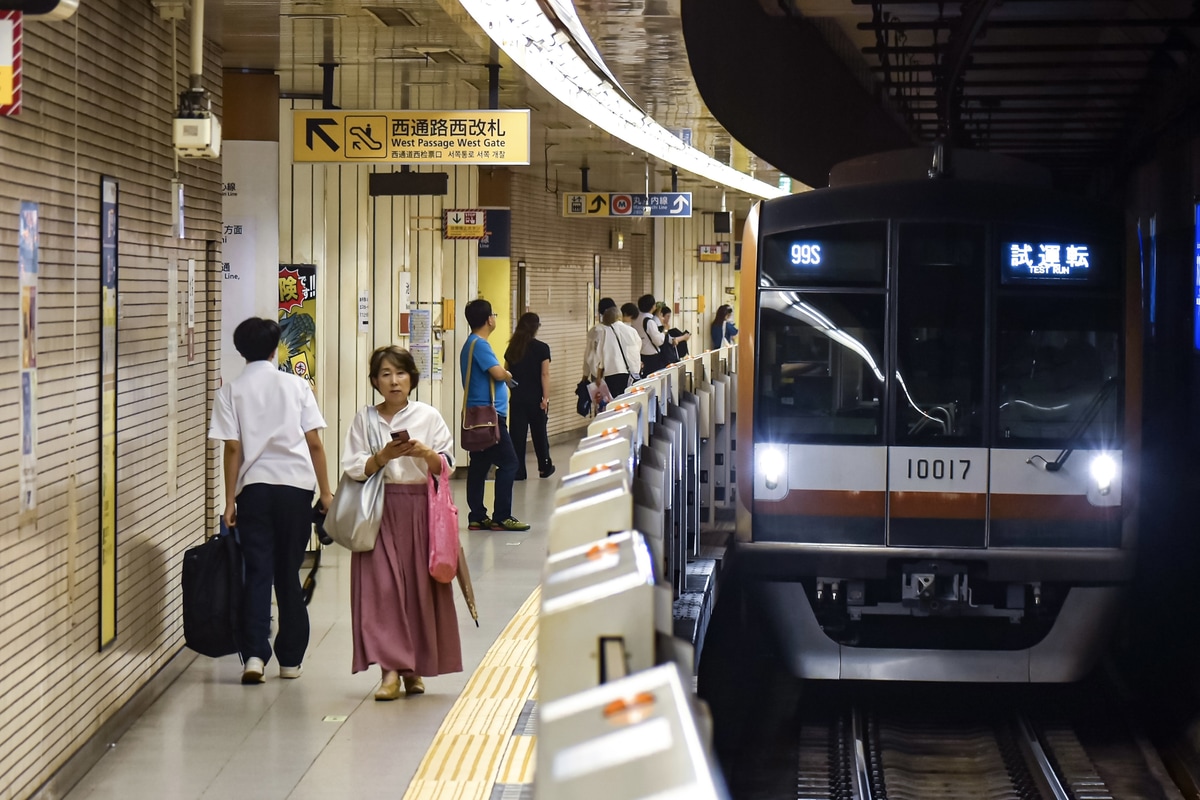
x=939, y=347
x=1056, y=358
x=821, y=368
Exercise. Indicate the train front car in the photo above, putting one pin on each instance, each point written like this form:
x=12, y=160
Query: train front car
x=943, y=418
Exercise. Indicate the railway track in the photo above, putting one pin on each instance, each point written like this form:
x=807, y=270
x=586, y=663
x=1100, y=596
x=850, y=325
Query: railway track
x=848, y=749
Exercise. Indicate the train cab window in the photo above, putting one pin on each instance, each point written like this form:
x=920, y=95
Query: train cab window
x=939, y=340
x=1058, y=368
x=820, y=367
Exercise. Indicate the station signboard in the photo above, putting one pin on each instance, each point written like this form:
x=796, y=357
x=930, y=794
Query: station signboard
x=627, y=204
x=494, y=137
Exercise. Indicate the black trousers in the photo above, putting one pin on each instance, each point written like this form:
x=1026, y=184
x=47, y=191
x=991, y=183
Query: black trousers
x=526, y=418
x=274, y=524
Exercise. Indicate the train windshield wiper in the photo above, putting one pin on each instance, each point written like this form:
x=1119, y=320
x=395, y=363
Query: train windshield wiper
x=1085, y=420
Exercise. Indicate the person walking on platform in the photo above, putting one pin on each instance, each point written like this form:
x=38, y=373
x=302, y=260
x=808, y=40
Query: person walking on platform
x=482, y=373
x=619, y=348
x=528, y=359
x=723, y=330
x=402, y=619
x=590, y=350
x=273, y=458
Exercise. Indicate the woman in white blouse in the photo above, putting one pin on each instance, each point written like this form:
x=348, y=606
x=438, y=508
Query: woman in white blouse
x=403, y=619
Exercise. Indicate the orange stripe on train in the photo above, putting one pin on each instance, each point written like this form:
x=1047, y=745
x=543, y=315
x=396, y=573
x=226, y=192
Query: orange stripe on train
x=825, y=503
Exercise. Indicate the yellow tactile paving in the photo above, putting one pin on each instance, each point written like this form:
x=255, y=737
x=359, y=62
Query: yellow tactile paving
x=475, y=748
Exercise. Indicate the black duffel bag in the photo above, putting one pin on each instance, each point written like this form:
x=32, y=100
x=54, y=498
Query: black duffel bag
x=212, y=596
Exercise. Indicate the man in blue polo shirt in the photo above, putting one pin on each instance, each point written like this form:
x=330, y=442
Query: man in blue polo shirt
x=486, y=370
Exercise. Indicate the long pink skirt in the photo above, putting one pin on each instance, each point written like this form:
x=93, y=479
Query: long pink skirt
x=403, y=619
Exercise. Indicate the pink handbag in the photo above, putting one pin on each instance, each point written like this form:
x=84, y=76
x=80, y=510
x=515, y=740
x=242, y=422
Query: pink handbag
x=443, y=528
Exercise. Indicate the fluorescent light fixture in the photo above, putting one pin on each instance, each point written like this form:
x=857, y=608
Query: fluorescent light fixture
x=522, y=30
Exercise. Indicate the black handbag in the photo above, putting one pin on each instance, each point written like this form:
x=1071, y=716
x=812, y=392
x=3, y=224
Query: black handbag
x=480, y=424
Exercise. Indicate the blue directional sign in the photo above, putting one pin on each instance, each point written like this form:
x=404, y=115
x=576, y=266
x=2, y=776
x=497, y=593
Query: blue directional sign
x=662, y=204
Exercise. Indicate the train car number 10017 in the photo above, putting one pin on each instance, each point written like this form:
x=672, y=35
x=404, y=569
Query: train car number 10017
x=938, y=469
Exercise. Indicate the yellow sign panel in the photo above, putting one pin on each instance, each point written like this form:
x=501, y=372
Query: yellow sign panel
x=464, y=223
x=411, y=137
x=586, y=204
x=710, y=252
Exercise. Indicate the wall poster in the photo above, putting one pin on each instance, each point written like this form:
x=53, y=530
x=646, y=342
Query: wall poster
x=27, y=258
x=109, y=217
x=298, y=321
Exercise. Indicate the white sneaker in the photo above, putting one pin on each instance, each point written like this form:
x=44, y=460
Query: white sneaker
x=291, y=672
x=253, y=671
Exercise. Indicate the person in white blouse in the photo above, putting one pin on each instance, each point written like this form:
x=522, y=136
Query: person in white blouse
x=402, y=619
x=619, y=351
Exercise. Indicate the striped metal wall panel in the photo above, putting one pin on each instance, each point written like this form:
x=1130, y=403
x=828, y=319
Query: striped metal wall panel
x=105, y=111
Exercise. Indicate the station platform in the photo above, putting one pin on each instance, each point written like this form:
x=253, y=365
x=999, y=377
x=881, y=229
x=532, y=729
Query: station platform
x=324, y=735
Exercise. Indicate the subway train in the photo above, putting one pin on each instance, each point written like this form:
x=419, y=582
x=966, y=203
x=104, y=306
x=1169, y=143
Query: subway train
x=942, y=411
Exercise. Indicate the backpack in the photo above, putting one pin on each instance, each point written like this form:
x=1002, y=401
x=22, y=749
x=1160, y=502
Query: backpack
x=212, y=596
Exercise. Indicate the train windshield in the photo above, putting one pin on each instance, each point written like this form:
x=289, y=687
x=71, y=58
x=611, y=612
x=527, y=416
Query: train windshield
x=821, y=366
x=939, y=343
x=1058, y=370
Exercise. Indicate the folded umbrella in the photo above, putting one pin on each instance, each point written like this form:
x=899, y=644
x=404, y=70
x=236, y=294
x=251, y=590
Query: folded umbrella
x=464, y=583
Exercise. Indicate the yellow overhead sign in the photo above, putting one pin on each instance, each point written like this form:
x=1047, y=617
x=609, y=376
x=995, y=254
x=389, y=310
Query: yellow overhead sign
x=411, y=137
x=586, y=204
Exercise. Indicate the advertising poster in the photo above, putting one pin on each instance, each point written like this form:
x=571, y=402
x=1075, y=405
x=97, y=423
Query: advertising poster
x=109, y=217
x=27, y=258
x=298, y=321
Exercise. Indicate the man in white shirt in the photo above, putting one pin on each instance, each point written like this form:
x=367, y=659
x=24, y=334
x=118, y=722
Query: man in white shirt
x=273, y=458
x=591, y=349
x=651, y=334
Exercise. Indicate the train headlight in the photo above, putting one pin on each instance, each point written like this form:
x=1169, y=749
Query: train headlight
x=1104, y=470
x=772, y=461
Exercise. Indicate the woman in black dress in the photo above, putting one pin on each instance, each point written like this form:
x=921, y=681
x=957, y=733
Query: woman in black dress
x=528, y=359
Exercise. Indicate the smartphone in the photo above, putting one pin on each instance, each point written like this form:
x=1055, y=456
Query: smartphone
x=399, y=436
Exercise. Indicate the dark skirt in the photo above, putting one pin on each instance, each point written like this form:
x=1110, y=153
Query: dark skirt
x=403, y=619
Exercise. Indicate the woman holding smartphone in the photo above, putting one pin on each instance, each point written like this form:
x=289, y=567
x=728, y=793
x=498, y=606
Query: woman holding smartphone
x=403, y=620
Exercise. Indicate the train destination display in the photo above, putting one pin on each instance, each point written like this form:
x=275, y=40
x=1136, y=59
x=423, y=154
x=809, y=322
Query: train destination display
x=1031, y=260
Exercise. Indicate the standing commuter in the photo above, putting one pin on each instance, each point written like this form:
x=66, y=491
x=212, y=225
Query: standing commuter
x=528, y=359
x=619, y=346
x=593, y=339
x=679, y=337
x=402, y=619
x=650, y=333
x=629, y=315
x=723, y=330
x=657, y=346
x=481, y=374
x=273, y=459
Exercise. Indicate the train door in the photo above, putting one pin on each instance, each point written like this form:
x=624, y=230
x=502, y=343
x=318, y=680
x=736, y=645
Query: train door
x=937, y=464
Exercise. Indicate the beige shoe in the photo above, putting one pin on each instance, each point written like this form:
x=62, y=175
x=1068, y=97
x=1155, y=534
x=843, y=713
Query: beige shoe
x=388, y=691
x=413, y=684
